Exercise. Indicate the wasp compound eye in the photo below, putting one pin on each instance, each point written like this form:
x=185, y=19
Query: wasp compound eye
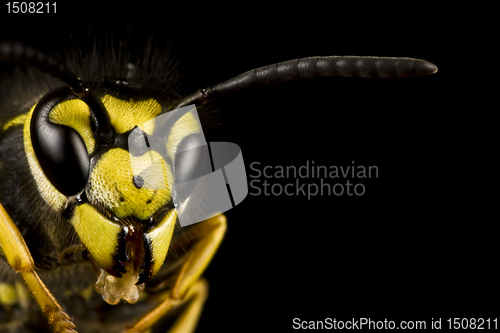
x=60, y=150
x=192, y=159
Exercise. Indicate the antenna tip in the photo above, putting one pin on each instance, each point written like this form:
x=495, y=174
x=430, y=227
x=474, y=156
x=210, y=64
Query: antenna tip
x=426, y=68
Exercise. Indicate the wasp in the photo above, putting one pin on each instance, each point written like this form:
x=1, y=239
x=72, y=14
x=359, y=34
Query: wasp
x=83, y=243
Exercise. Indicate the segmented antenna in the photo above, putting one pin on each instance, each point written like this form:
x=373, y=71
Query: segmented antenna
x=345, y=66
x=20, y=53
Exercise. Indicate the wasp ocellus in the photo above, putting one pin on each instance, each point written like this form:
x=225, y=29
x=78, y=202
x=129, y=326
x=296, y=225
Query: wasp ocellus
x=85, y=246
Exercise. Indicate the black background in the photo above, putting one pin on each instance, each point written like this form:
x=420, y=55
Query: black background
x=413, y=247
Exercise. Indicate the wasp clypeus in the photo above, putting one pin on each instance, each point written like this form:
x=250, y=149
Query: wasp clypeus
x=79, y=231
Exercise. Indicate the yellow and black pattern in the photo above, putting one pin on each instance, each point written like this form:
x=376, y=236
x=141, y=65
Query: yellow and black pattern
x=94, y=249
x=114, y=236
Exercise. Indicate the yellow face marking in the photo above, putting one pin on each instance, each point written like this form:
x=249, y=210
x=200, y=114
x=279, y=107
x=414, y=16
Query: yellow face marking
x=185, y=126
x=125, y=115
x=97, y=233
x=113, y=184
x=19, y=120
x=160, y=239
x=75, y=114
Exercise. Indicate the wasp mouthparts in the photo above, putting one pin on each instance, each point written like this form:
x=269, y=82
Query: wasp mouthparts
x=131, y=268
x=114, y=289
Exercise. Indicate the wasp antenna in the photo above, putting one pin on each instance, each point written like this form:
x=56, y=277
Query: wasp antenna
x=345, y=66
x=21, y=53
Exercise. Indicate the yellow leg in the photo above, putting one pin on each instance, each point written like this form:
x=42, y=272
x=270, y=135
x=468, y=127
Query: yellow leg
x=207, y=236
x=196, y=295
x=19, y=258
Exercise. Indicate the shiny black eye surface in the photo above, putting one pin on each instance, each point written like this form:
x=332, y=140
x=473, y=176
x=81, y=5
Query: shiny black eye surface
x=60, y=150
